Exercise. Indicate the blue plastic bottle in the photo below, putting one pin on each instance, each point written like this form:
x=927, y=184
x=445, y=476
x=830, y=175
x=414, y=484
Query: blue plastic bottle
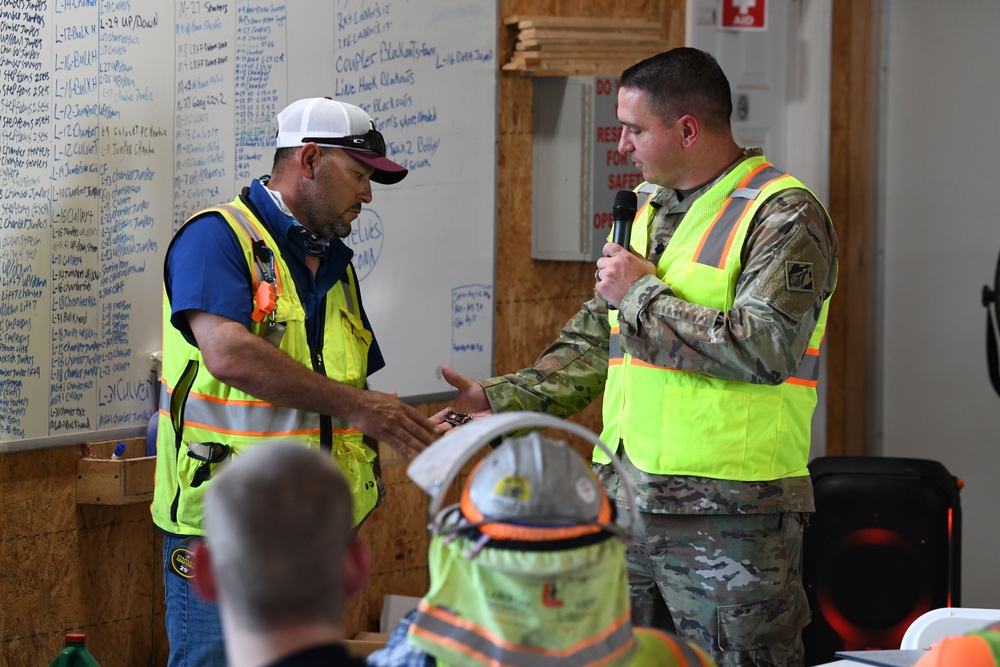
x=151, y=427
x=75, y=654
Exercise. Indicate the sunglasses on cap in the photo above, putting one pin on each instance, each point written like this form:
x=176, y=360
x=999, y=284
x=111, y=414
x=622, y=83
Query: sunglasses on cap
x=371, y=140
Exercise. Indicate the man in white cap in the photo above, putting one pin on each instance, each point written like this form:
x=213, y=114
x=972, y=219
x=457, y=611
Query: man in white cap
x=265, y=338
x=529, y=567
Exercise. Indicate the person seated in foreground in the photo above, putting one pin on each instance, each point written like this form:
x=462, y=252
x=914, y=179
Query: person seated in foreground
x=279, y=557
x=528, y=569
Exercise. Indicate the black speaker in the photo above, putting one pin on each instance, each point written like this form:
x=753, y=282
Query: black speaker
x=882, y=548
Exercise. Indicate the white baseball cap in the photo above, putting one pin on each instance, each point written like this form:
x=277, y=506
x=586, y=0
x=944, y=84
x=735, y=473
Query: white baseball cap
x=328, y=122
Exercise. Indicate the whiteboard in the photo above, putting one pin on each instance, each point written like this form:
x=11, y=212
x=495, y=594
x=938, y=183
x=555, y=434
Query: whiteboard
x=120, y=118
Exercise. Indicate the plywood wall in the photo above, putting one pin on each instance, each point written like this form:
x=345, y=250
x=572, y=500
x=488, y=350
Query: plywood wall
x=66, y=567
x=97, y=569
x=533, y=298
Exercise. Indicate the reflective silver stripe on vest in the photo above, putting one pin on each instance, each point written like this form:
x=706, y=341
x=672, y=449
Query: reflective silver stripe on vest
x=714, y=245
x=348, y=297
x=470, y=642
x=807, y=373
x=808, y=368
x=251, y=418
x=644, y=194
x=241, y=219
x=614, y=349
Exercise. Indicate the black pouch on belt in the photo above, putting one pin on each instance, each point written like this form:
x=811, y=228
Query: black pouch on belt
x=208, y=452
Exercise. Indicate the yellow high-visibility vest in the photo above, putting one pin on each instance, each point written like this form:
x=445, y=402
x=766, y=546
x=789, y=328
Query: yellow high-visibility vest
x=537, y=609
x=196, y=407
x=675, y=421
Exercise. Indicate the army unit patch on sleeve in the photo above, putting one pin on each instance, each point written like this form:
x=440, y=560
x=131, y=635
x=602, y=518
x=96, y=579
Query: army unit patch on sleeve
x=799, y=277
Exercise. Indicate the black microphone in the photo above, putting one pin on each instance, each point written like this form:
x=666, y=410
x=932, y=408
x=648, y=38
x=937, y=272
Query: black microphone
x=624, y=212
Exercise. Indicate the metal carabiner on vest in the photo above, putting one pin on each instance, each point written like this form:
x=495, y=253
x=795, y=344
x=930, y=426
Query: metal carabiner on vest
x=275, y=331
x=265, y=297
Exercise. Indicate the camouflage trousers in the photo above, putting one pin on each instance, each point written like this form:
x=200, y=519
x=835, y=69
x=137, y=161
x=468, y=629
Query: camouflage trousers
x=731, y=583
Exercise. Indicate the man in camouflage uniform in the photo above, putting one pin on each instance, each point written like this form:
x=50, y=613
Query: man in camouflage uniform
x=723, y=487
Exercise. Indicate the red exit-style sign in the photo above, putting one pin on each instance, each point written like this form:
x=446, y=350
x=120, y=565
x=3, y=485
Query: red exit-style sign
x=743, y=15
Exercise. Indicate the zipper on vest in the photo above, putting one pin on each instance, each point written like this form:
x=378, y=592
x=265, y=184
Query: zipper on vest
x=325, y=421
x=623, y=415
x=178, y=399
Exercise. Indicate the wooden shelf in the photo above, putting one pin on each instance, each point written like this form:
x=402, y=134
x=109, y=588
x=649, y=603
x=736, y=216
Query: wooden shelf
x=120, y=482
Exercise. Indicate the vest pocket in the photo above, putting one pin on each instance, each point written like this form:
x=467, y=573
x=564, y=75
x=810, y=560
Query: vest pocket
x=355, y=343
x=355, y=459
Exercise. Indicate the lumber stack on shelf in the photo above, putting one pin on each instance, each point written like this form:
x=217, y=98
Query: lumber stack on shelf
x=564, y=46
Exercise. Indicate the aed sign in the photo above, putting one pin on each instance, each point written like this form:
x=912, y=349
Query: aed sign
x=743, y=15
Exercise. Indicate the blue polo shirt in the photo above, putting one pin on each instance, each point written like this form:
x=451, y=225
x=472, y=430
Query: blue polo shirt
x=206, y=270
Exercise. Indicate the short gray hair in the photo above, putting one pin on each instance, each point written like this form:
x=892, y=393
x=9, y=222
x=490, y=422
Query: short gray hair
x=278, y=523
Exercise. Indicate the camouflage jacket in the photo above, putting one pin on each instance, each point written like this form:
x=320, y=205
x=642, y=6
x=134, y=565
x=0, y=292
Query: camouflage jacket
x=761, y=339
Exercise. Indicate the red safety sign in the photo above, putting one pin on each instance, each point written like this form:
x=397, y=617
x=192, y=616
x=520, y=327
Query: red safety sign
x=743, y=15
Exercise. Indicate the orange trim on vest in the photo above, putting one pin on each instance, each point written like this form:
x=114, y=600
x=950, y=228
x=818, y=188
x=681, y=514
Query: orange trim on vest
x=496, y=640
x=636, y=362
x=259, y=434
x=230, y=401
x=458, y=646
x=722, y=210
x=239, y=214
x=732, y=234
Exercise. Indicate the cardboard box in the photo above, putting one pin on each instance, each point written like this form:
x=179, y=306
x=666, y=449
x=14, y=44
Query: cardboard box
x=395, y=607
x=119, y=482
x=364, y=644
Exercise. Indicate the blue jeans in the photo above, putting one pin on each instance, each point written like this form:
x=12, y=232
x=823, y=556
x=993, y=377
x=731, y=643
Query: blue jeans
x=194, y=628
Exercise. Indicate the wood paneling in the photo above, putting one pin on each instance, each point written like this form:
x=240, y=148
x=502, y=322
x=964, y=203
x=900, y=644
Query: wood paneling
x=850, y=340
x=74, y=568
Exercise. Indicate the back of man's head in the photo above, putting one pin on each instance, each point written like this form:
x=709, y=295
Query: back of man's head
x=278, y=523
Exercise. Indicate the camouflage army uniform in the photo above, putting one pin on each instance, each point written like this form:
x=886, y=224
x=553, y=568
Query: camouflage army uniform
x=724, y=554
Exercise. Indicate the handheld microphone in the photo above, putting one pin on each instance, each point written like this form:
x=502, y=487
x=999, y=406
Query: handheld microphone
x=624, y=213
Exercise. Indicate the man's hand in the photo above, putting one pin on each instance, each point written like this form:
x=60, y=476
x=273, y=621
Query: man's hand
x=389, y=420
x=247, y=362
x=471, y=400
x=617, y=271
